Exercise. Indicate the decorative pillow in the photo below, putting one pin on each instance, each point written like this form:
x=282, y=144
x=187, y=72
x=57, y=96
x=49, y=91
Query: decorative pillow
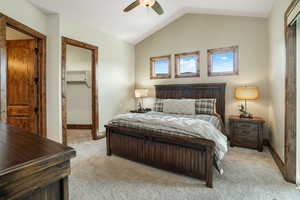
x=179, y=106
x=158, y=105
x=205, y=106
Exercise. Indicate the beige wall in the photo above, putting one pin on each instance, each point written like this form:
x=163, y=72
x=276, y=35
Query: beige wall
x=277, y=74
x=25, y=12
x=53, y=83
x=79, y=96
x=201, y=32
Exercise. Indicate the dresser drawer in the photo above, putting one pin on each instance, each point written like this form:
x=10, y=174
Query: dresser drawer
x=246, y=126
x=245, y=134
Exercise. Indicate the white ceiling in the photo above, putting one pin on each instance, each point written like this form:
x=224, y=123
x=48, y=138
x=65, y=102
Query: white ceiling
x=133, y=27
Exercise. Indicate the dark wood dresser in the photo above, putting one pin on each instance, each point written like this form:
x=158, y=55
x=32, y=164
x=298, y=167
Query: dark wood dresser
x=32, y=167
x=245, y=132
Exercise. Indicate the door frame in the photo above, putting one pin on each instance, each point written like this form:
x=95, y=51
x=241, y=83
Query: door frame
x=95, y=103
x=290, y=132
x=40, y=67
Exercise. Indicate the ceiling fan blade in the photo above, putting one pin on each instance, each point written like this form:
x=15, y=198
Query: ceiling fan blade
x=157, y=8
x=132, y=6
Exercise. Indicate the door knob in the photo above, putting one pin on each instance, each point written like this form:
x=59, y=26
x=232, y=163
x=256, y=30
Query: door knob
x=36, y=109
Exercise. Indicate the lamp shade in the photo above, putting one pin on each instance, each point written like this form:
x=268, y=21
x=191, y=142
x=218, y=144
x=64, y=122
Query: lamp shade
x=141, y=93
x=247, y=93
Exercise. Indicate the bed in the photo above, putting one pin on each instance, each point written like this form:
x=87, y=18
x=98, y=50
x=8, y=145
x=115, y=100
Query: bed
x=185, y=155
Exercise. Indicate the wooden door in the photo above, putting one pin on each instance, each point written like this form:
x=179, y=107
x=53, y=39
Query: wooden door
x=22, y=85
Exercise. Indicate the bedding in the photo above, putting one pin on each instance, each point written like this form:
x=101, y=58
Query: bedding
x=159, y=105
x=197, y=126
x=175, y=106
x=213, y=119
x=202, y=106
x=205, y=106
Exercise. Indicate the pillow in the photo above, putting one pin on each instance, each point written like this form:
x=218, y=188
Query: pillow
x=158, y=105
x=177, y=106
x=205, y=106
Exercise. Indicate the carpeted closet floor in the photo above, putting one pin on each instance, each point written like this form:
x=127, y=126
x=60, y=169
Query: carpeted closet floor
x=249, y=175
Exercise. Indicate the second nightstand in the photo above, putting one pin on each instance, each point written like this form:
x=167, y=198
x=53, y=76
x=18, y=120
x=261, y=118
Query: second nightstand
x=245, y=132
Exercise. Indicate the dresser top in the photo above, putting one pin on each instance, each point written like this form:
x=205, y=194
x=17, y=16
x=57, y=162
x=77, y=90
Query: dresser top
x=19, y=149
x=236, y=117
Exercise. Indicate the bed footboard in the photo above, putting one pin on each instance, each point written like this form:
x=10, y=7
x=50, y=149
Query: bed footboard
x=184, y=155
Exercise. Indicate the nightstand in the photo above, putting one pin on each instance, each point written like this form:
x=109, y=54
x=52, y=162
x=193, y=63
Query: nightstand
x=246, y=132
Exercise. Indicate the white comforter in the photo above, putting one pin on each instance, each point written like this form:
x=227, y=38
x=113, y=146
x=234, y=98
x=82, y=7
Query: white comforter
x=177, y=125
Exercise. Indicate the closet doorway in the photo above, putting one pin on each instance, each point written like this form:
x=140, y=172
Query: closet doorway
x=79, y=91
x=22, y=65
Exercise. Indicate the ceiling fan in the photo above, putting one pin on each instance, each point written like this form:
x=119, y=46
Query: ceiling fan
x=148, y=3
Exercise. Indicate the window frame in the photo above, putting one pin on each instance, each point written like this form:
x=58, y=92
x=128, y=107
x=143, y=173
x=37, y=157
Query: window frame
x=177, y=65
x=152, y=60
x=211, y=52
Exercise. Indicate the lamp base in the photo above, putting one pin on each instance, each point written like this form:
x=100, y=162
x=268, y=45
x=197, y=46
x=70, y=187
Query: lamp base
x=246, y=115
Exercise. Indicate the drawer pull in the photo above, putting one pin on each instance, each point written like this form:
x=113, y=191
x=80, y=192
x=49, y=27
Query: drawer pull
x=244, y=133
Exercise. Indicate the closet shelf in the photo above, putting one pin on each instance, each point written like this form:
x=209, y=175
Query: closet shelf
x=79, y=77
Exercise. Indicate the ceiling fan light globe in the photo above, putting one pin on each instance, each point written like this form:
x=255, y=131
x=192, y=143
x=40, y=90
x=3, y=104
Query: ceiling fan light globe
x=147, y=3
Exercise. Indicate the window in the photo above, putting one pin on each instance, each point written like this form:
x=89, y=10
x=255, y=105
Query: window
x=187, y=65
x=160, y=67
x=223, y=61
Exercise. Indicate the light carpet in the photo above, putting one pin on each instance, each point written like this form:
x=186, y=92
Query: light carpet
x=249, y=175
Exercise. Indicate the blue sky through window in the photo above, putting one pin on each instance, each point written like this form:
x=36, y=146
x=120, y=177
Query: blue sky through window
x=161, y=67
x=223, y=62
x=188, y=64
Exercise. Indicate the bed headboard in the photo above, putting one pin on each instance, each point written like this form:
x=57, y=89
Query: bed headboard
x=195, y=91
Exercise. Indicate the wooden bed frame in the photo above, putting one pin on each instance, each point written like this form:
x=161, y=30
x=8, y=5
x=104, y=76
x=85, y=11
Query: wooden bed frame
x=184, y=155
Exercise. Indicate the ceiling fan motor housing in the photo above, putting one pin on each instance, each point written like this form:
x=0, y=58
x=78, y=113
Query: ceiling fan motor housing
x=147, y=3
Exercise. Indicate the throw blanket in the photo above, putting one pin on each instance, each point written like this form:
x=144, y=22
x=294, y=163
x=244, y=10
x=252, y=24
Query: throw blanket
x=176, y=125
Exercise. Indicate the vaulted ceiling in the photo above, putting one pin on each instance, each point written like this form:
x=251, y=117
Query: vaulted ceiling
x=133, y=27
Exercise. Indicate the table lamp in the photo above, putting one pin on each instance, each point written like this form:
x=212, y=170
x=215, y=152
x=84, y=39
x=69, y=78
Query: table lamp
x=246, y=93
x=140, y=94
